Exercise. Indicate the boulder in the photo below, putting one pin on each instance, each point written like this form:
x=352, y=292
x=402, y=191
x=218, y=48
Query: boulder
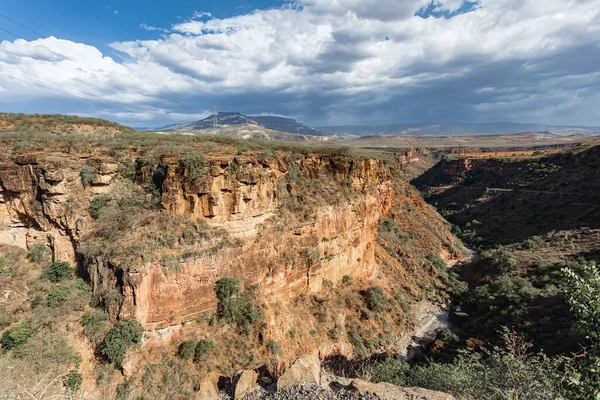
x=245, y=381
x=305, y=369
x=209, y=389
x=387, y=391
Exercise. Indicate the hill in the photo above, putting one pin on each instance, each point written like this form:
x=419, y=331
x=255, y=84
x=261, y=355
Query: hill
x=232, y=121
x=58, y=123
x=449, y=129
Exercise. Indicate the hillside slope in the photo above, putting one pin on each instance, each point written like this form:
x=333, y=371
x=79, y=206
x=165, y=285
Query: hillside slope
x=58, y=123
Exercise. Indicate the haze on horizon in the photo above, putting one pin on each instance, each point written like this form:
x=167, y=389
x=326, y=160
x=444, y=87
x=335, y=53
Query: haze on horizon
x=322, y=62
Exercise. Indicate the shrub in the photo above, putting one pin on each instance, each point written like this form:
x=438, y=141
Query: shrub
x=36, y=301
x=267, y=154
x=38, y=253
x=87, y=174
x=240, y=311
x=16, y=336
x=447, y=336
x=72, y=381
x=375, y=298
x=57, y=296
x=193, y=166
x=437, y=262
x=204, y=347
x=126, y=333
x=94, y=324
x=274, y=347
x=4, y=268
x=97, y=204
x=347, y=280
x=187, y=349
x=226, y=288
x=357, y=342
x=57, y=272
x=509, y=372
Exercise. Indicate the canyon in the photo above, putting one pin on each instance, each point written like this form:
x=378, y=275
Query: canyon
x=152, y=230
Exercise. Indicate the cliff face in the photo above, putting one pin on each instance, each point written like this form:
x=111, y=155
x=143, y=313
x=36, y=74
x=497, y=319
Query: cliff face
x=251, y=198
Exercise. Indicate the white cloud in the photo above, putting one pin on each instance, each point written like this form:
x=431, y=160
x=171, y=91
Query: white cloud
x=153, y=28
x=116, y=12
x=329, y=60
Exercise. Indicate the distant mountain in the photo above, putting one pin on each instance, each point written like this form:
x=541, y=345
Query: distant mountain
x=232, y=119
x=452, y=129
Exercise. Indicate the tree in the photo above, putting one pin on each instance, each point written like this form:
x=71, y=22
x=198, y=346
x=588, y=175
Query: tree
x=16, y=336
x=58, y=272
x=126, y=333
x=582, y=292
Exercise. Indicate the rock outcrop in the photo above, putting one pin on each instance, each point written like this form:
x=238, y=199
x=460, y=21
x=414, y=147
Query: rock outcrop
x=306, y=369
x=387, y=391
x=245, y=381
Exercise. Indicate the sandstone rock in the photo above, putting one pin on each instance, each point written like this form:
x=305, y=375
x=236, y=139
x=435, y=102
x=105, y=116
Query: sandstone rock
x=209, y=389
x=387, y=391
x=245, y=381
x=54, y=176
x=128, y=366
x=305, y=369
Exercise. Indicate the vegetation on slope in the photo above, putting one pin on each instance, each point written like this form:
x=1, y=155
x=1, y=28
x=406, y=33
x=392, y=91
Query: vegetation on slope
x=57, y=123
x=534, y=277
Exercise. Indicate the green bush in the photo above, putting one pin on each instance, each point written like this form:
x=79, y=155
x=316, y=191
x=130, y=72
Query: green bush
x=16, y=336
x=187, y=349
x=57, y=296
x=72, y=381
x=582, y=292
x=38, y=253
x=126, y=333
x=375, y=298
x=95, y=325
x=97, y=204
x=87, y=174
x=237, y=310
x=57, y=272
x=509, y=372
x=36, y=301
x=267, y=154
x=437, y=262
x=193, y=165
x=226, y=288
x=240, y=311
x=203, y=349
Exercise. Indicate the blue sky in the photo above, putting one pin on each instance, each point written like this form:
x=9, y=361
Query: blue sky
x=99, y=22
x=324, y=62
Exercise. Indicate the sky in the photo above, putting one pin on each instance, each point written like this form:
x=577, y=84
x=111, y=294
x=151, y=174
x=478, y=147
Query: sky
x=324, y=62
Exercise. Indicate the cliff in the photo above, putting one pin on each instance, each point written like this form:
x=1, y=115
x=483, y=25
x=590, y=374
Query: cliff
x=44, y=201
x=331, y=251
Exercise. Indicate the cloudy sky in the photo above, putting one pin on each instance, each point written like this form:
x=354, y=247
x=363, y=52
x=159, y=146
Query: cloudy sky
x=325, y=62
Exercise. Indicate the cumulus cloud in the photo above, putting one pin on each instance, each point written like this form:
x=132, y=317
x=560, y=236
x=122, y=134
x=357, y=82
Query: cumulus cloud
x=341, y=61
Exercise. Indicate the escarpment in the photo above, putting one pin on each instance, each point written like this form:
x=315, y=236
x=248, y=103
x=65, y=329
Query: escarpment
x=285, y=222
